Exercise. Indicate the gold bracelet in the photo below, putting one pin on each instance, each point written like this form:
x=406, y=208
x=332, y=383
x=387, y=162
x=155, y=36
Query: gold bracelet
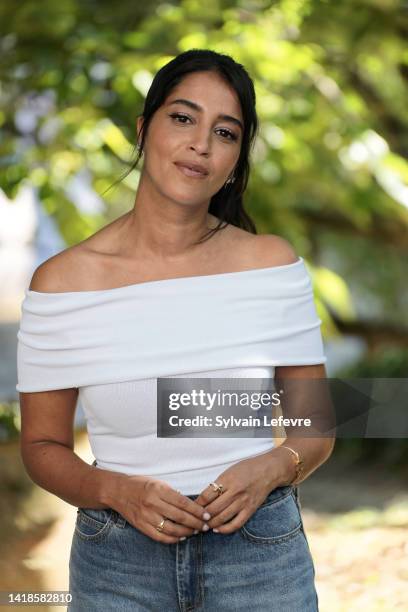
x=299, y=463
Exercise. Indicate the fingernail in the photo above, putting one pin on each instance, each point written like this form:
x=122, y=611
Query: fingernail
x=195, y=530
x=206, y=516
x=205, y=527
x=183, y=538
x=216, y=530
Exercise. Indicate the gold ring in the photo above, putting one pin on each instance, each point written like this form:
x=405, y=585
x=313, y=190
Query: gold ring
x=160, y=525
x=217, y=487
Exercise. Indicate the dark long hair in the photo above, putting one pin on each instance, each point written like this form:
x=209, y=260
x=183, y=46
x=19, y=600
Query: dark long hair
x=227, y=203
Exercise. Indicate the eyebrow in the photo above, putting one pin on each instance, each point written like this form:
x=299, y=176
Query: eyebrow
x=198, y=108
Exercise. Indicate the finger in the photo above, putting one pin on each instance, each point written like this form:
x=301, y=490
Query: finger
x=226, y=514
x=205, y=500
x=160, y=536
x=159, y=490
x=180, y=517
x=221, y=502
x=169, y=527
x=207, y=496
x=174, y=499
x=236, y=523
x=200, y=501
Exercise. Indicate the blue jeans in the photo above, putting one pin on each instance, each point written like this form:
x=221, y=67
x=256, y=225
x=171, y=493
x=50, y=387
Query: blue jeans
x=265, y=566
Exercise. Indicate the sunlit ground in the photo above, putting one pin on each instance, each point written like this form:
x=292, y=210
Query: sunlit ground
x=360, y=551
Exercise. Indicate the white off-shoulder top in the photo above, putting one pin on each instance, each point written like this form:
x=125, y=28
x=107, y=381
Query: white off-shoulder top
x=113, y=344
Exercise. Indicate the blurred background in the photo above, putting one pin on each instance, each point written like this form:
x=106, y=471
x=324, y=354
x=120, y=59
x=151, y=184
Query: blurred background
x=329, y=173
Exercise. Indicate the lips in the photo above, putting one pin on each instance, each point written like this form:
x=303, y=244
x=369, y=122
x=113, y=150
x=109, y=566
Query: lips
x=192, y=170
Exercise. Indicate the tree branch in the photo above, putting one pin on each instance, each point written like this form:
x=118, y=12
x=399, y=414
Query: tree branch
x=386, y=231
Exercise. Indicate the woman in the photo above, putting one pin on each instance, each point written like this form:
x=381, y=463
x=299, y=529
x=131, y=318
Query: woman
x=179, y=286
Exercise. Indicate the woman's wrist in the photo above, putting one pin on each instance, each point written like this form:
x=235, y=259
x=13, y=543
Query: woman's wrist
x=296, y=459
x=118, y=489
x=298, y=462
x=285, y=466
x=112, y=488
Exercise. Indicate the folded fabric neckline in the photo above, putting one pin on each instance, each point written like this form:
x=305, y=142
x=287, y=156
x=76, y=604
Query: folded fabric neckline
x=258, y=317
x=142, y=284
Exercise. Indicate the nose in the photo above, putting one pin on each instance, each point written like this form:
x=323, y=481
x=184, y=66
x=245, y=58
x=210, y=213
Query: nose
x=201, y=142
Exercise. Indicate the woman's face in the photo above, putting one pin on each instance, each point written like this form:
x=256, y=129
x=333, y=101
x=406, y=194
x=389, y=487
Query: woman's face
x=194, y=139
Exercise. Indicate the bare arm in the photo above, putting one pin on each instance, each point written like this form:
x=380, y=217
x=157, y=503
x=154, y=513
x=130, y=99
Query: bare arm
x=47, y=443
x=275, y=250
x=47, y=421
x=314, y=451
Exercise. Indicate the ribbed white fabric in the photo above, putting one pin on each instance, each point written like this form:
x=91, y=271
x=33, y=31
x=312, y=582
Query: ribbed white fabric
x=104, y=341
x=122, y=427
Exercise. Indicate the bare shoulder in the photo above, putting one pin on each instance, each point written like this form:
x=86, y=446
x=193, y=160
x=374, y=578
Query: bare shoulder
x=76, y=268
x=60, y=272
x=269, y=250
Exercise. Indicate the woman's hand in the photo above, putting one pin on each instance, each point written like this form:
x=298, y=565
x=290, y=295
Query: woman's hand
x=145, y=501
x=246, y=485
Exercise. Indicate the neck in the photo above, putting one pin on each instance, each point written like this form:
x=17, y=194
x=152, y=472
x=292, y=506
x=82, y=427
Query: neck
x=161, y=229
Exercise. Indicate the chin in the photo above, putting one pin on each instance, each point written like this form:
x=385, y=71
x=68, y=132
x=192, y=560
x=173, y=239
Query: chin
x=181, y=197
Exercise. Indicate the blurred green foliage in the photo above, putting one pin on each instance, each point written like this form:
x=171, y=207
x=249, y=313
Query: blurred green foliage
x=329, y=169
x=391, y=362
x=9, y=421
x=331, y=155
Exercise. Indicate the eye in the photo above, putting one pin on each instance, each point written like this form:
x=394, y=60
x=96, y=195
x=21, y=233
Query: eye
x=179, y=116
x=183, y=119
x=227, y=134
